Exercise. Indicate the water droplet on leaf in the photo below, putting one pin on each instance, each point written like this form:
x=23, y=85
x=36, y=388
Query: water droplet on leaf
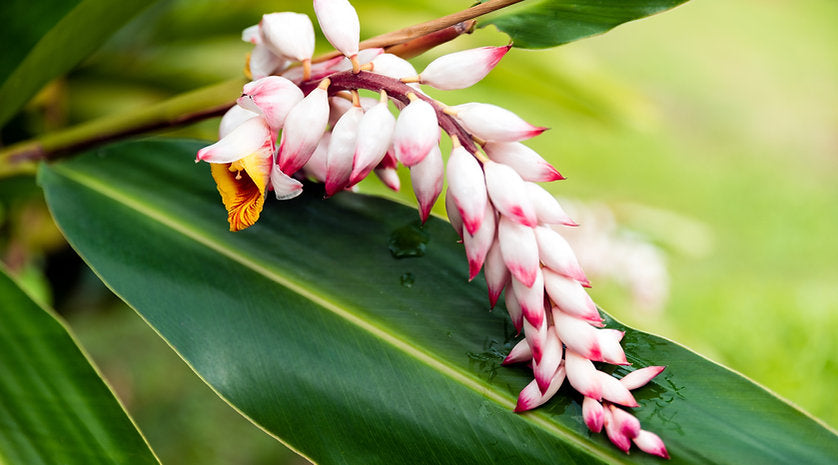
x=407, y=280
x=408, y=241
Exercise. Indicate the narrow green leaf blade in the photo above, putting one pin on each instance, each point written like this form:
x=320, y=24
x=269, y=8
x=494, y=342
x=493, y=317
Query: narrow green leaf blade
x=54, y=407
x=548, y=23
x=44, y=39
x=309, y=326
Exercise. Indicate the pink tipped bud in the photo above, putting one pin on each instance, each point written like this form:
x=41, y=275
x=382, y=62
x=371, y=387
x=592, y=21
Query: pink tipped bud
x=532, y=397
x=288, y=34
x=453, y=214
x=547, y=208
x=416, y=132
x=624, y=422
x=519, y=354
x=341, y=150
x=531, y=299
x=285, y=187
x=315, y=167
x=392, y=66
x=339, y=23
x=577, y=334
x=462, y=69
x=529, y=164
x=570, y=297
x=427, y=177
x=234, y=117
x=536, y=339
x=304, y=127
x=519, y=249
x=609, y=345
x=252, y=35
x=477, y=245
x=513, y=308
x=493, y=123
x=556, y=254
x=592, y=414
x=614, y=391
x=495, y=272
x=508, y=194
x=617, y=438
x=639, y=378
x=650, y=443
x=253, y=135
x=550, y=359
x=467, y=186
x=389, y=177
x=273, y=96
x=582, y=375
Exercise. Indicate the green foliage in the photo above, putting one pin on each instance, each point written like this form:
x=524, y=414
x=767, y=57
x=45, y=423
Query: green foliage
x=547, y=23
x=54, y=407
x=304, y=324
x=43, y=40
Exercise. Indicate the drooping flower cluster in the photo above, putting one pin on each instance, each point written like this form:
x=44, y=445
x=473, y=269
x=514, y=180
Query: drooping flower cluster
x=309, y=121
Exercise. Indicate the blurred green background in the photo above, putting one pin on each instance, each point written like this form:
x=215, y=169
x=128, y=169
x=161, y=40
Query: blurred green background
x=709, y=133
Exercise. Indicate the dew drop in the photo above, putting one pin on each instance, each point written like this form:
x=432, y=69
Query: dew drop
x=407, y=279
x=408, y=241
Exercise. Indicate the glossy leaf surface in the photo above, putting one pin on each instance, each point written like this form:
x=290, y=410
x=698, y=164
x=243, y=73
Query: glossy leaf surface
x=308, y=325
x=547, y=23
x=54, y=407
x=44, y=39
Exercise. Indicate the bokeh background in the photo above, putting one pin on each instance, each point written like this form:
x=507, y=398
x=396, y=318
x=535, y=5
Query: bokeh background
x=700, y=147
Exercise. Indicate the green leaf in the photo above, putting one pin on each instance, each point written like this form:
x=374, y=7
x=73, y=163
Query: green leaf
x=54, y=407
x=46, y=38
x=547, y=23
x=308, y=325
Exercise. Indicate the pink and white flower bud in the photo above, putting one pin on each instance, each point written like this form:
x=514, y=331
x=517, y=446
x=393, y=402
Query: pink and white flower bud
x=529, y=164
x=454, y=214
x=592, y=414
x=374, y=136
x=582, y=375
x=462, y=69
x=624, y=422
x=477, y=245
x=273, y=97
x=493, y=123
x=577, y=335
x=315, y=167
x=251, y=34
x=650, y=443
x=639, y=378
x=617, y=438
x=532, y=397
x=304, y=127
x=547, y=208
x=339, y=23
x=285, y=187
x=342, y=149
x=536, y=338
x=550, y=360
x=496, y=273
x=519, y=354
x=531, y=298
x=253, y=135
x=234, y=117
x=263, y=62
x=513, y=308
x=614, y=391
x=288, y=34
x=392, y=66
x=427, y=177
x=556, y=254
x=609, y=345
x=417, y=130
x=389, y=177
x=467, y=187
x=508, y=194
x=570, y=297
x=519, y=248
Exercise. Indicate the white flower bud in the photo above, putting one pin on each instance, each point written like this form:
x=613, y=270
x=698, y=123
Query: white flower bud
x=288, y=34
x=273, y=96
x=462, y=69
x=493, y=123
x=339, y=23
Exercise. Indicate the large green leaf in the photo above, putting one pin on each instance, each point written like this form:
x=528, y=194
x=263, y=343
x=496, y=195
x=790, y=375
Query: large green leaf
x=308, y=325
x=43, y=39
x=547, y=23
x=54, y=407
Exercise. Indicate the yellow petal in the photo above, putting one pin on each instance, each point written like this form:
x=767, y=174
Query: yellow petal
x=243, y=197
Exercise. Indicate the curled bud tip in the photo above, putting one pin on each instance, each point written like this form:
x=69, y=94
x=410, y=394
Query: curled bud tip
x=641, y=377
x=651, y=444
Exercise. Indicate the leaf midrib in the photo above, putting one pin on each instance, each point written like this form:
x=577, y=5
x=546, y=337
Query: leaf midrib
x=384, y=333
